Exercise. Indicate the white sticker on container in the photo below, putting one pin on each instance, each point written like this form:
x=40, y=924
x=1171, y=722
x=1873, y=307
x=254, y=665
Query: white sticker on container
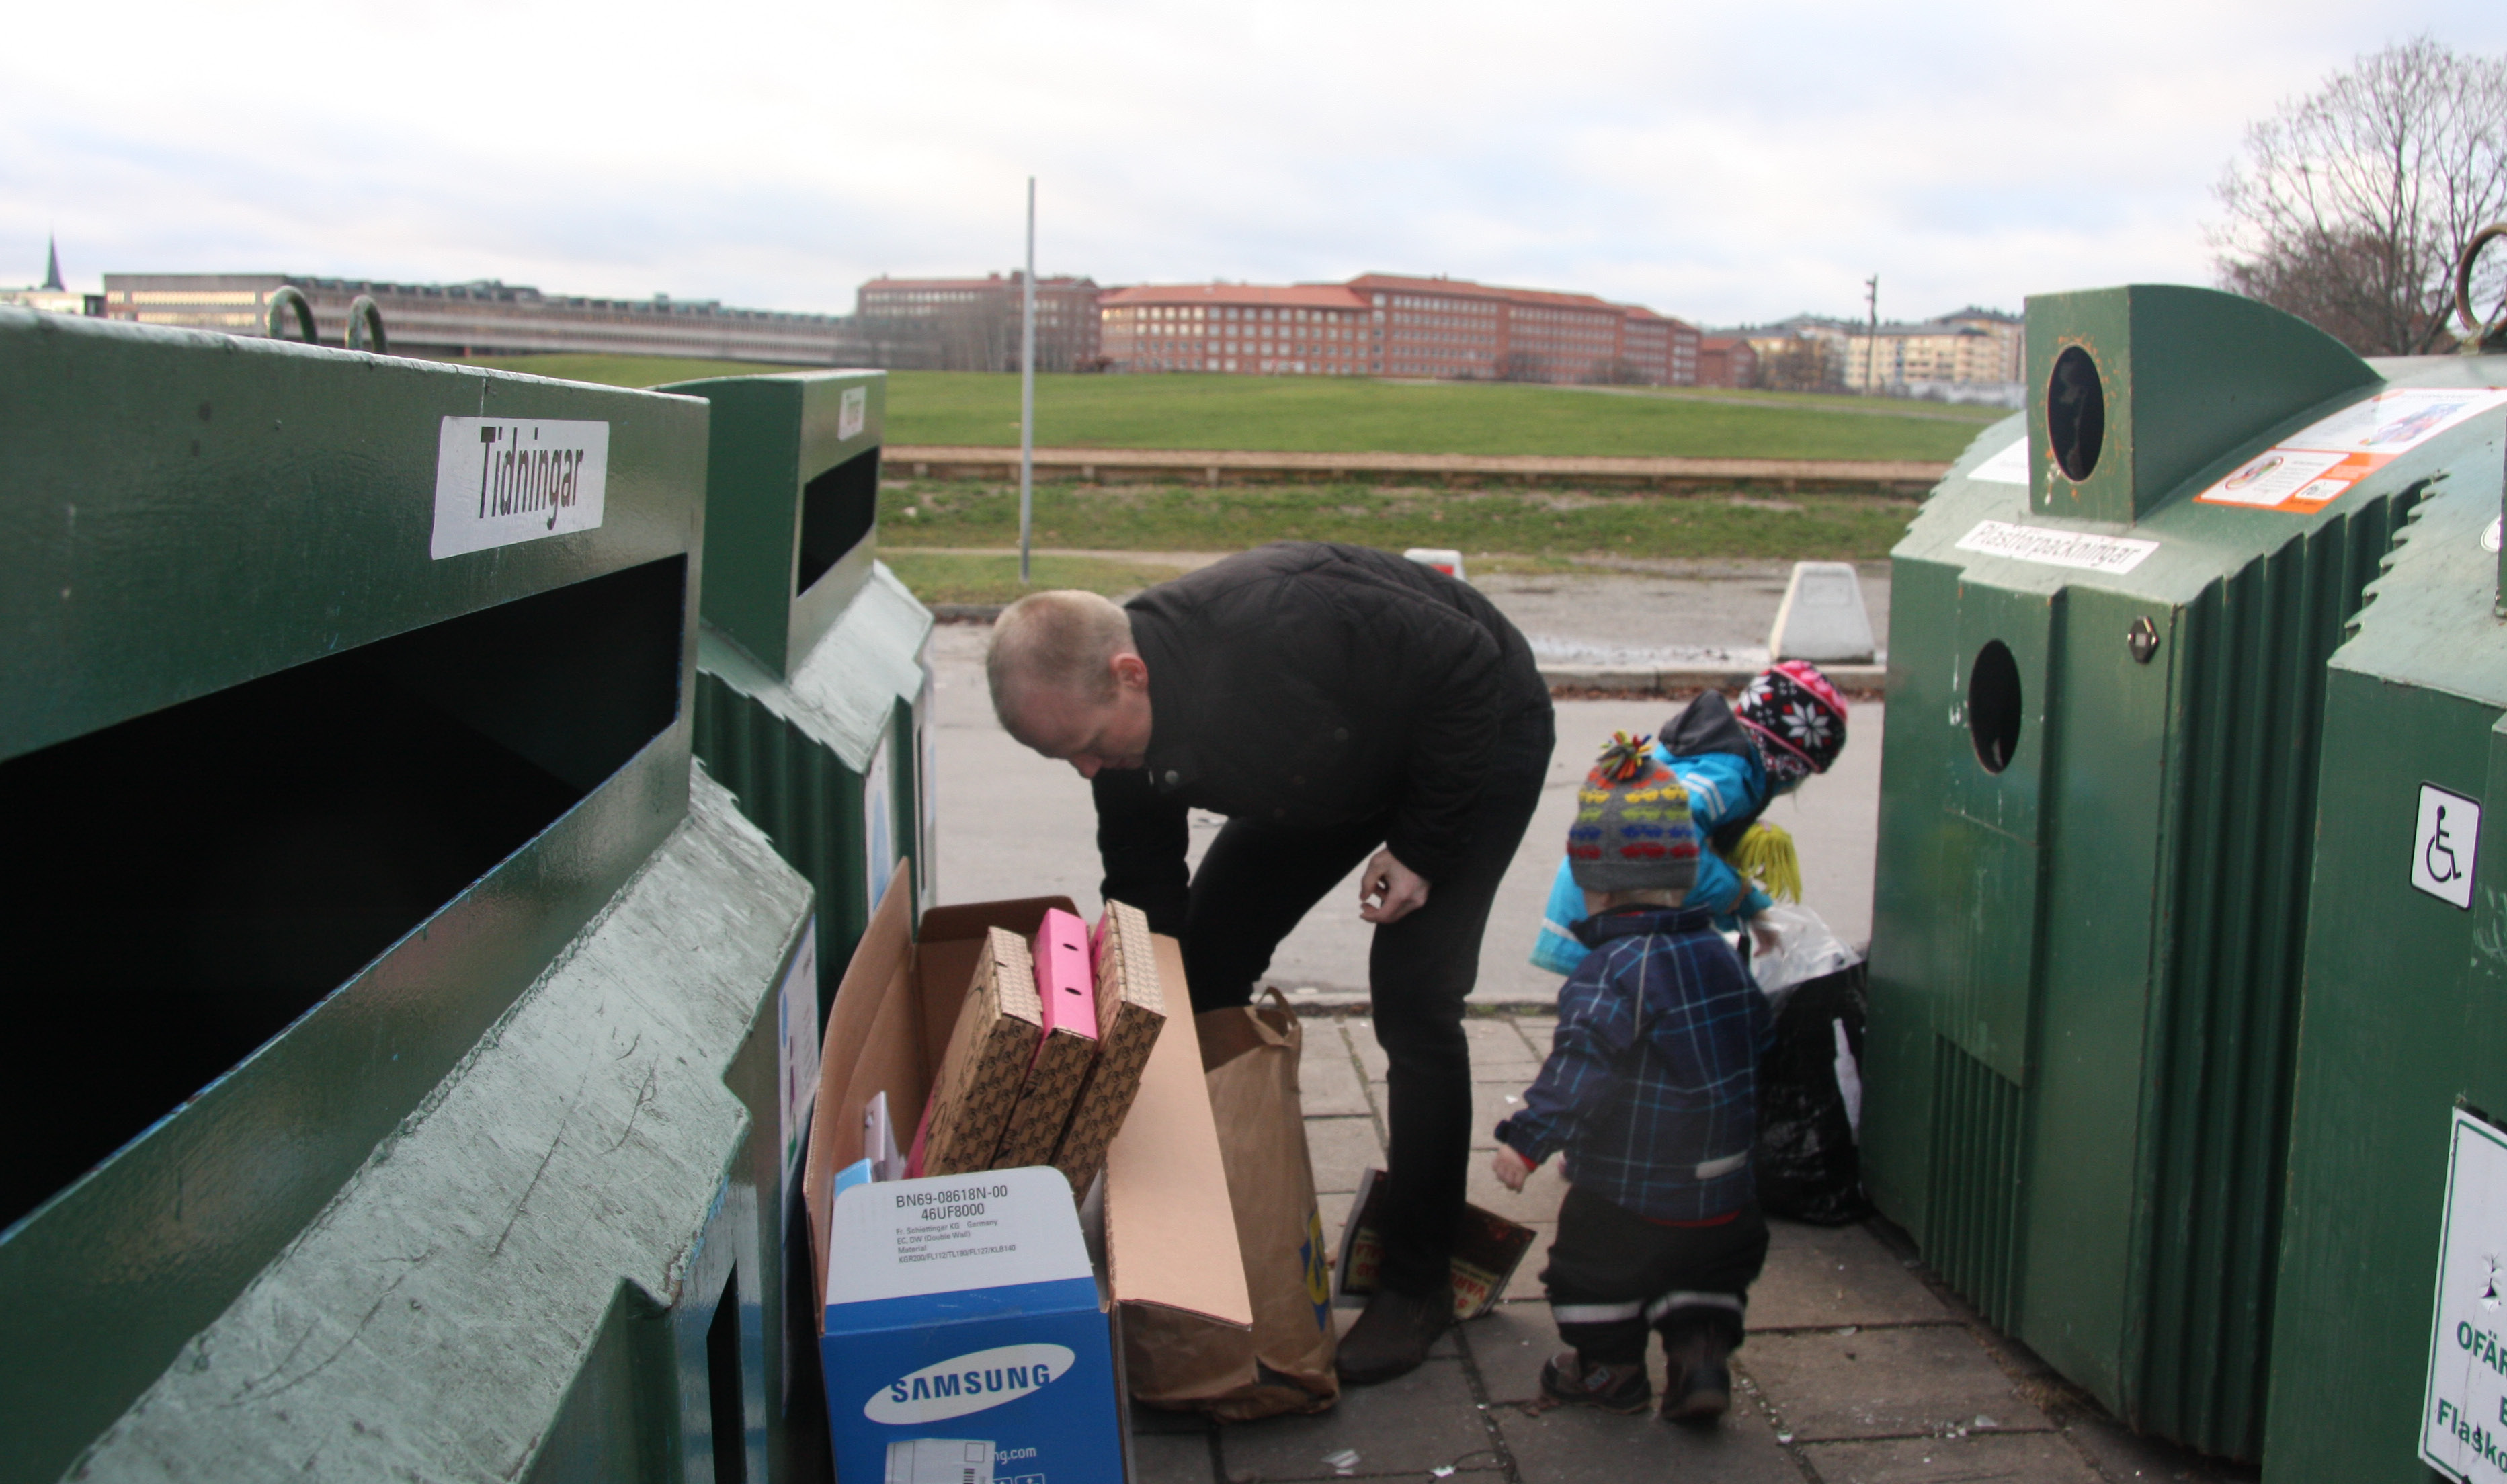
x=2083, y=550
x=2444, y=846
x=2463, y=1423
x=879, y=826
x=2008, y=467
x=499, y=480
x=796, y=1035
x=852, y=410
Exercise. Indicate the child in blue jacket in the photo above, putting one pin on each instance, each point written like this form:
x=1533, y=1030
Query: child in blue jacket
x=1651, y=1092
x=1733, y=762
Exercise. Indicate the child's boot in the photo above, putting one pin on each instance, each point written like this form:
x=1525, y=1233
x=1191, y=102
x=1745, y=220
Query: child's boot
x=1698, y=1388
x=1569, y=1377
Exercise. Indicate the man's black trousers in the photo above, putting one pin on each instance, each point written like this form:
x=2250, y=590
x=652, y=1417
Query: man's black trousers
x=1254, y=886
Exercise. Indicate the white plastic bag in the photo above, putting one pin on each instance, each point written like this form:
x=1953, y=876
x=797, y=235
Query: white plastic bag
x=1804, y=951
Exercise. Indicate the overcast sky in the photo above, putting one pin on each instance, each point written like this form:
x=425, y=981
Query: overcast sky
x=1722, y=163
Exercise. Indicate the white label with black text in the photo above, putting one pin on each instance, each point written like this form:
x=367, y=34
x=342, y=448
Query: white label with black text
x=2445, y=844
x=2463, y=1426
x=852, y=410
x=499, y=480
x=2085, y=549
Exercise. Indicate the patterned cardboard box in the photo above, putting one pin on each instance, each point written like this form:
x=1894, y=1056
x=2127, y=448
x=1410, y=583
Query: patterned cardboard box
x=1131, y=1010
x=985, y=1066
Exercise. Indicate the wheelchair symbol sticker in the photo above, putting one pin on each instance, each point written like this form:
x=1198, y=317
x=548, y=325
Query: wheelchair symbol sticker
x=2446, y=845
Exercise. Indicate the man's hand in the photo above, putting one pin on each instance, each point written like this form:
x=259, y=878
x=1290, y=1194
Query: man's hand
x=1389, y=891
x=1511, y=1169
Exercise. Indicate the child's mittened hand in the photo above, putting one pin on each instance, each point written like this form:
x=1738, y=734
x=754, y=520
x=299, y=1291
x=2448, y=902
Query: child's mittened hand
x=1511, y=1169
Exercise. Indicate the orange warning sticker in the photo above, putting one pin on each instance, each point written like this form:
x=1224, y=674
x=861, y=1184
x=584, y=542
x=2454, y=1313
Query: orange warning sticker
x=2319, y=464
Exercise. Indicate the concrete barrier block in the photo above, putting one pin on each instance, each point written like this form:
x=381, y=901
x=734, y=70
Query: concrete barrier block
x=1823, y=619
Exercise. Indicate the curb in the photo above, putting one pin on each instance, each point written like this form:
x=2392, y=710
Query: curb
x=1647, y=680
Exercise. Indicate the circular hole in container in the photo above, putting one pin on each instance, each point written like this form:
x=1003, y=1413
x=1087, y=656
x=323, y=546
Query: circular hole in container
x=1993, y=706
x=2076, y=413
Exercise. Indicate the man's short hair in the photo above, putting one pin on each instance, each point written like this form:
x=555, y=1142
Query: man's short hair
x=1060, y=640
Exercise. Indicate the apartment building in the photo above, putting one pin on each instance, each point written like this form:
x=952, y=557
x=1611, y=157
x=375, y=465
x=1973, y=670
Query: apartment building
x=1727, y=360
x=486, y=317
x=972, y=324
x=1390, y=325
x=1248, y=329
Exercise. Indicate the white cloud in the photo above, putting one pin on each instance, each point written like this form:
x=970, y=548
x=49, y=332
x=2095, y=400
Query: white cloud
x=1719, y=163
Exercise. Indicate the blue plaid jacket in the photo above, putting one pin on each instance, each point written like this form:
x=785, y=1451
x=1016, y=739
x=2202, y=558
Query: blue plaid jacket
x=1662, y=1128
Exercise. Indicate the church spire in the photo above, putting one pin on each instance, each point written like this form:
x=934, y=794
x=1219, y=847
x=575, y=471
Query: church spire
x=52, y=265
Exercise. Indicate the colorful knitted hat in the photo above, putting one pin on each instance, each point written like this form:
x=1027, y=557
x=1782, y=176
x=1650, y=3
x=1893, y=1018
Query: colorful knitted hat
x=1797, y=719
x=1632, y=829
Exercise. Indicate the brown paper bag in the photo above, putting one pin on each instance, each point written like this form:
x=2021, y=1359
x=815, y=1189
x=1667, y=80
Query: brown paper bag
x=1249, y=1058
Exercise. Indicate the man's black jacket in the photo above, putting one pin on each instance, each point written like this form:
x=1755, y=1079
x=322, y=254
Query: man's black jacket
x=1305, y=685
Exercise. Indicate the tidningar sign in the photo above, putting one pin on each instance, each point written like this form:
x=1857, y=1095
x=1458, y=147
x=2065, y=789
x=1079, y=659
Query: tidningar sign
x=504, y=480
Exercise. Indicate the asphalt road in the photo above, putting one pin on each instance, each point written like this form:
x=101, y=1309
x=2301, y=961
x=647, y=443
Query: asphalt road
x=1014, y=825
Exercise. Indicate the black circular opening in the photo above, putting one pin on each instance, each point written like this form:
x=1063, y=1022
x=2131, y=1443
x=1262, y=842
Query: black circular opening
x=2076, y=413
x=1993, y=706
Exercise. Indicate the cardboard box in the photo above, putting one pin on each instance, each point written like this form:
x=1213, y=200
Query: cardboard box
x=984, y=1071
x=1170, y=1235
x=1060, y=952
x=1131, y=1010
x=962, y=1338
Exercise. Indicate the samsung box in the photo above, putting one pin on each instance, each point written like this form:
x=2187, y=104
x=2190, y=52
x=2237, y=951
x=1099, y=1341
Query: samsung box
x=1018, y=1293
x=964, y=1341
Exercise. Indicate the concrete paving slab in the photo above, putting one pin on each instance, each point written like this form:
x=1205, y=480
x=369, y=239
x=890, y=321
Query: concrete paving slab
x=1883, y=1383
x=1827, y=1277
x=1508, y=1345
x=1328, y=1080
x=1408, y=1425
x=1575, y=1445
x=1341, y=1148
x=1499, y=1050
x=1173, y=1458
x=1492, y=1102
x=1980, y=1458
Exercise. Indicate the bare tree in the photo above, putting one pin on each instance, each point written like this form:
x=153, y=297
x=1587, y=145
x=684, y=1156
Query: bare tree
x=2350, y=206
x=1803, y=363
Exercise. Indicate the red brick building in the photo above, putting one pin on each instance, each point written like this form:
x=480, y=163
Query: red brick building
x=1312, y=330
x=1727, y=360
x=1382, y=324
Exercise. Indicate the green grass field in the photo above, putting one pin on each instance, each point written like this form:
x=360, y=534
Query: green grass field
x=967, y=577
x=1319, y=415
x=1547, y=527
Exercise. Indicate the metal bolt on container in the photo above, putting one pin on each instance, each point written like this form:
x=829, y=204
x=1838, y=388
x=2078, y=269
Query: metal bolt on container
x=813, y=676
x=2392, y=1227
x=2098, y=808
x=395, y=1010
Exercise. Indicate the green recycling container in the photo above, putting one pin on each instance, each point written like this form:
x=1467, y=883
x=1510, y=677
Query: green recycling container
x=394, y=1009
x=814, y=671
x=2403, y=1014
x=2108, y=631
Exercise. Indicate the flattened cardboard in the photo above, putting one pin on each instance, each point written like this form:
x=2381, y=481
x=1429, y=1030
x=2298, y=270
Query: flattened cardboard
x=1131, y=1010
x=985, y=1068
x=893, y=1018
x=1170, y=1229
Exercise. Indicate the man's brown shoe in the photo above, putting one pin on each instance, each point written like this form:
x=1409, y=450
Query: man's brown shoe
x=1391, y=1336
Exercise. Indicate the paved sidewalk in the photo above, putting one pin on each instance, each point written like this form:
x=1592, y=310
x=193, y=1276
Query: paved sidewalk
x=1859, y=1370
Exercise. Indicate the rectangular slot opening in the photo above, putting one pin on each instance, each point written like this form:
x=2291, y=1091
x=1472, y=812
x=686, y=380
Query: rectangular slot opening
x=837, y=510
x=210, y=872
x=723, y=1383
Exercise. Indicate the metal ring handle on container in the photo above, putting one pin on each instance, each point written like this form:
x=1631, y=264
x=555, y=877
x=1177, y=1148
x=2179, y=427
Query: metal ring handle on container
x=2496, y=331
x=366, y=323
x=282, y=298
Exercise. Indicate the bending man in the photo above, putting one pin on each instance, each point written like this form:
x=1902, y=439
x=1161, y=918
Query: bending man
x=1340, y=706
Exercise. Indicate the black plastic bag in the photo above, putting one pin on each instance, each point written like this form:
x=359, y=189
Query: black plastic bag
x=1810, y=1096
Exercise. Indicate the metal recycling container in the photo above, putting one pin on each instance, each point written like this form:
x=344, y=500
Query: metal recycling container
x=395, y=1086
x=813, y=673
x=2107, y=637
x=2401, y=1023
